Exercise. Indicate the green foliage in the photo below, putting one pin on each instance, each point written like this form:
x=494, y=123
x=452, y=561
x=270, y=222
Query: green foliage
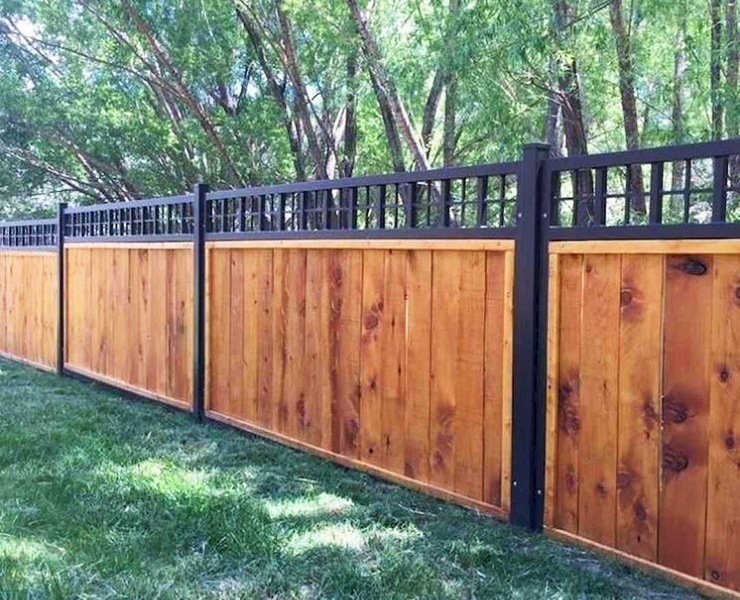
x=88, y=112
x=102, y=497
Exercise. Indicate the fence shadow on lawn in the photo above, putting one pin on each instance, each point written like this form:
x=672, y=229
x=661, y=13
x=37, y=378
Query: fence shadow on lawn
x=101, y=496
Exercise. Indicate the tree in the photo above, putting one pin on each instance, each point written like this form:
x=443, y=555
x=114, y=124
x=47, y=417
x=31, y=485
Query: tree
x=629, y=104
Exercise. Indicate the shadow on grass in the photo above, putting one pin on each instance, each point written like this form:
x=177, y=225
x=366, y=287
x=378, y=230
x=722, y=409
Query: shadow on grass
x=102, y=497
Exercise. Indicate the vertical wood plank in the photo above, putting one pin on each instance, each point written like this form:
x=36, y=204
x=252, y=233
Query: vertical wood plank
x=371, y=352
x=235, y=406
x=469, y=391
x=569, y=393
x=267, y=291
x=393, y=342
x=640, y=345
x=599, y=398
x=345, y=274
x=445, y=342
x=507, y=382
x=316, y=364
x=157, y=359
x=279, y=402
x=139, y=269
x=251, y=338
x=325, y=410
x=553, y=362
x=184, y=389
x=722, y=562
x=3, y=302
x=122, y=316
x=418, y=356
x=685, y=411
x=219, y=323
x=295, y=333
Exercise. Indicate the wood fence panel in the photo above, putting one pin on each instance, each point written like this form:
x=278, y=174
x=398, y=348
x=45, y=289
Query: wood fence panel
x=722, y=564
x=28, y=331
x=130, y=319
x=642, y=453
x=688, y=305
x=638, y=467
x=392, y=359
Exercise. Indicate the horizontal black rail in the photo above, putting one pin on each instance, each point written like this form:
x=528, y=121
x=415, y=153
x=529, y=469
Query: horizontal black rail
x=697, y=184
x=28, y=233
x=656, y=192
x=477, y=197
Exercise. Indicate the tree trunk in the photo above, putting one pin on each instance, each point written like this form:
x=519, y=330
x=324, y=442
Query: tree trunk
x=733, y=99
x=301, y=95
x=552, y=116
x=715, y=68
x=385, y=89
x=677, y=117
x=430, y=109
x=347, y=164
x=569, y=95
x=449, y=140
x=277, y=92
x=629, y=105
x=448, y=147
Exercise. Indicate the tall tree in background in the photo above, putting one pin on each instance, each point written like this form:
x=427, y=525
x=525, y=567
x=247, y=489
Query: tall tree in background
x=628, y=100
x=102, y=100
x=715, y=68
x=450, y=128
x=569, y=99
x=677, y=110
x=732, y=119
x=385, y=88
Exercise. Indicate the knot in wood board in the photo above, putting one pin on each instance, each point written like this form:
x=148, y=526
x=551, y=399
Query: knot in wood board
x=674, y=460
x=692, y=266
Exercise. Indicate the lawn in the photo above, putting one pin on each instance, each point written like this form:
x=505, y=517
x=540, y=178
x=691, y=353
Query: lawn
x=105, y=497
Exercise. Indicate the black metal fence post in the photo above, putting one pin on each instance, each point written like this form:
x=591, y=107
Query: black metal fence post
x=62, y=207
x=528, y=398
x=199, y=290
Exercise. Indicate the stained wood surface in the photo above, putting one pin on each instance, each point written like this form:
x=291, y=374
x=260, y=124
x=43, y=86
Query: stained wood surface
x=28, y=305
x=129, y=318
x=643, y=406
x=397, y=359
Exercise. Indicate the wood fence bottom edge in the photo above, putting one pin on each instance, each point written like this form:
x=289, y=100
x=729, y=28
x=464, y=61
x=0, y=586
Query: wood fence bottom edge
x=420, y=486
x=126, y=387
x=695, y=583
x=689, y=581
x=29, y=363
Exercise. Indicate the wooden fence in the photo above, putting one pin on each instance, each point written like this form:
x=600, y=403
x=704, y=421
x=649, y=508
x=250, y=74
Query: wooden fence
x=28, y=305
x=393, y=357
x=643, y=414
x=520, y=338
x=129, y=317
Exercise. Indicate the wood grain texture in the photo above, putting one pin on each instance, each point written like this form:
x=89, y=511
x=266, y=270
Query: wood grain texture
x=599, y=398
x=685, y=412
x=638, y=467
x=722, y=560
x=129, y=318
x=28, y=304
x=569, y=393
x=350, y=355
x=644, y=456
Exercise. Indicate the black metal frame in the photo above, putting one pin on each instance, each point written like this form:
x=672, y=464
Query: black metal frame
x=60, y=289
x=199, y=293
x=518, y=200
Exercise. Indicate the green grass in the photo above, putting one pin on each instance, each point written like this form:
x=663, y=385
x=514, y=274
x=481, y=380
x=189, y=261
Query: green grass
x=104, y=497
